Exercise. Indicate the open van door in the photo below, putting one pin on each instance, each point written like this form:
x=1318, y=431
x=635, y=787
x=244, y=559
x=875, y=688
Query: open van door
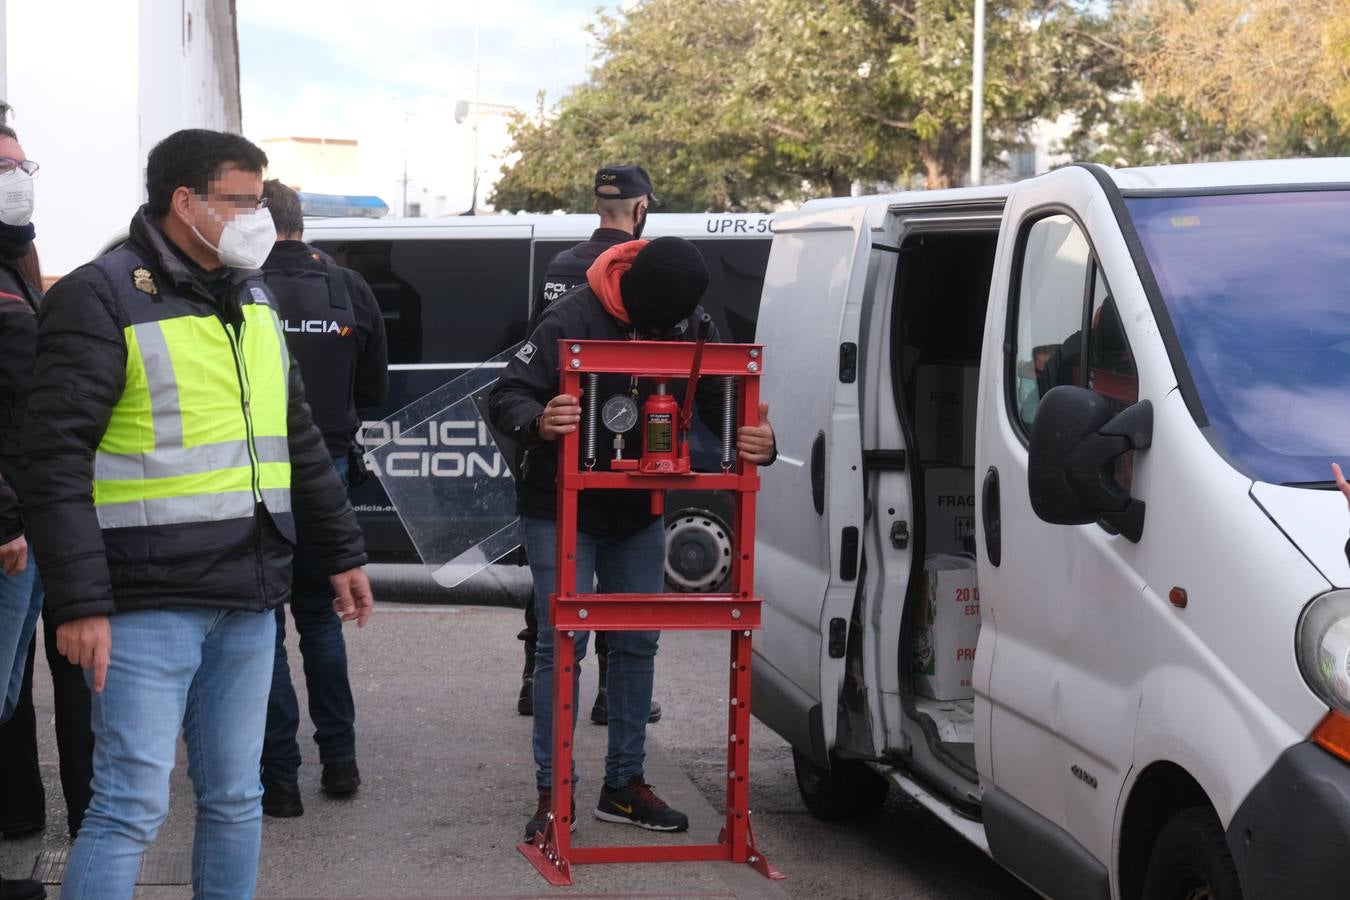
x=810, y=509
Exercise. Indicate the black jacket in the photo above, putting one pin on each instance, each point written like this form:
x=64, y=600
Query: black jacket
x=567, y=269
x=336, y=335
x=530, y=380
x=80, y=375
x=18, y=345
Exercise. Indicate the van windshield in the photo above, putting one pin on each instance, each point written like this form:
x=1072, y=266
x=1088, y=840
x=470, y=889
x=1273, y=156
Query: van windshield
x=1258, y=288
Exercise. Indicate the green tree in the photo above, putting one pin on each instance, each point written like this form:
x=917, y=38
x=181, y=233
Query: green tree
x=1243, y=62
x=1157, y=131
x=1207, y=80
x=657, y=98
x=742, y=104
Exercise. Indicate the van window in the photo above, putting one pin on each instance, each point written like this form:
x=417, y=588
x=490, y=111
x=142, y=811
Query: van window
x=1255, y=286
x=1054, y=263
x=444, y=301
x=1110, y=370
x=736, y=270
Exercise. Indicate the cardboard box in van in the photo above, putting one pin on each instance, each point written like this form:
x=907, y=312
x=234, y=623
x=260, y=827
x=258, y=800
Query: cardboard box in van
x=947, y=627
x=944, y=413
x=949, y=508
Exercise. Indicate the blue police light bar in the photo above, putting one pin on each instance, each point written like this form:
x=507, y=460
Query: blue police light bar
x=342, y=206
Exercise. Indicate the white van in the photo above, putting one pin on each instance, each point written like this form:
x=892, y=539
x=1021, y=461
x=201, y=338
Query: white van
x=456, y=291
x=1052, y=543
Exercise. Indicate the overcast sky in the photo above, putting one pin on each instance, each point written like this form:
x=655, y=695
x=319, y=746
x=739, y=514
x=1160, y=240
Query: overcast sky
x=348, y=69
x=325, y=62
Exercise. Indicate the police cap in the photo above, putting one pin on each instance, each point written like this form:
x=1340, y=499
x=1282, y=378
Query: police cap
x=622, y=182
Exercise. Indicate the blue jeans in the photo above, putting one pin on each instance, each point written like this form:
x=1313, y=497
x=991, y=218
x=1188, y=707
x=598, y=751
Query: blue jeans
x=206, y=671
x=635, y=564
x=20, y=603
x=324, y=655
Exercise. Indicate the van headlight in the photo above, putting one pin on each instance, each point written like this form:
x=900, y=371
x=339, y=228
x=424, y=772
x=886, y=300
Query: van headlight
x=1323, y=647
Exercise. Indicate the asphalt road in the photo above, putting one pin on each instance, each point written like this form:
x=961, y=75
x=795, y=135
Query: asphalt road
x=449, y=782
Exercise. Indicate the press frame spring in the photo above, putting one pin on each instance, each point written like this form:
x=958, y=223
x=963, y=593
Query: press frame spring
x=591, y=405
x=728, y=422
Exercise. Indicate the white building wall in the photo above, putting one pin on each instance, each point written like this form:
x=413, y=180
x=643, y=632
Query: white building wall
x=94, y=85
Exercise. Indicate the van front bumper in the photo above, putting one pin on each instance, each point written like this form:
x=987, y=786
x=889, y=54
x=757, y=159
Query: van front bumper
x=1291, y=836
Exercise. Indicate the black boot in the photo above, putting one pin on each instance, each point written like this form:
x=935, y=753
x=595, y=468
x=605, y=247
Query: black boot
x=525, y=703
x=340, y=779
x=21, y=889
x=600, y=711
x=281, y=798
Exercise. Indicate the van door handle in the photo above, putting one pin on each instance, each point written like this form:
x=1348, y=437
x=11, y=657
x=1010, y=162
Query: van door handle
x=818, y=473
x=993, y=528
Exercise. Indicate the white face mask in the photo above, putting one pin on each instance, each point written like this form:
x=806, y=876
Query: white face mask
x=246, y=240
x=16, y=198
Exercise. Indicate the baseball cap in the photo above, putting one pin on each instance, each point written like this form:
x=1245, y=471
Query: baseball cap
x=622, y=182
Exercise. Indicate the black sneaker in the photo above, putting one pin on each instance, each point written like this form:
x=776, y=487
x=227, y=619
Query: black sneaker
x=21, y=889
x=540, y=820
x=281, y=799
x=637, y=804
x=340, y=779
x=600, y=711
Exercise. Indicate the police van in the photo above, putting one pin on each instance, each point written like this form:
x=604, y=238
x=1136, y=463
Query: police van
x=455, y=292
x=1051, y=544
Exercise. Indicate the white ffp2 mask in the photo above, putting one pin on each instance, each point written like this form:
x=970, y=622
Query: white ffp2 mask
x=246, y=240
x=16, y=198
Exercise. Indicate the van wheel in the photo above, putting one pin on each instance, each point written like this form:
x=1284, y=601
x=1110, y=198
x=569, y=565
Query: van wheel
x=846, y=790
x=698, y=552
x=1191, y=861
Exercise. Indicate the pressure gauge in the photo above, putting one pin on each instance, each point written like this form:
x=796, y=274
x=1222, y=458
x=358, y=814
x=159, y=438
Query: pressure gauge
x=619, y=413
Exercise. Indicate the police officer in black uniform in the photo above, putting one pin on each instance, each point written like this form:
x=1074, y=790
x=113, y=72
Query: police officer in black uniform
x=622, y=196
x=334, y=331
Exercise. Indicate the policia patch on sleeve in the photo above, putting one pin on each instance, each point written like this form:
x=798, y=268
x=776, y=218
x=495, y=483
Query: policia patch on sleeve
x=143, y=281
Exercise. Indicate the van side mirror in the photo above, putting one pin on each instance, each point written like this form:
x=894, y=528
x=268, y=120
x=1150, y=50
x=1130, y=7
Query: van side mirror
x=1075, y=441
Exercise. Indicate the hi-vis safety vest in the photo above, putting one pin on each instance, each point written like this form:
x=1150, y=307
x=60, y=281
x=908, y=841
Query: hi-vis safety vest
x=199, y=435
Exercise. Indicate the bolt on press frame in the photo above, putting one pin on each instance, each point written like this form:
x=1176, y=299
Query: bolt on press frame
x=662, y=464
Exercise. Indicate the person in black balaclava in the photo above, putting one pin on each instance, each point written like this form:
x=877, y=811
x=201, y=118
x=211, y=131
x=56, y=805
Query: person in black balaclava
x=635, y=291
x=20, y=590
x=622, y=195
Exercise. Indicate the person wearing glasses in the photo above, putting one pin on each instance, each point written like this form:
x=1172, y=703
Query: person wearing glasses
x=20, y=590
x=23, y=800
x=169, y=459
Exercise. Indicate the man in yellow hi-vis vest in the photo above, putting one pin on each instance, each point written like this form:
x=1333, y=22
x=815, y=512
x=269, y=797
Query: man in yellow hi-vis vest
x=169, y=461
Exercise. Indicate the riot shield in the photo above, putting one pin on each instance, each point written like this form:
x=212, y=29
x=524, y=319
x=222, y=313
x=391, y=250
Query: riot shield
x=449, y=475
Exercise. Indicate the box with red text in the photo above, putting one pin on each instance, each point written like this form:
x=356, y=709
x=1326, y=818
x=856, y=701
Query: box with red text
x=946, y=629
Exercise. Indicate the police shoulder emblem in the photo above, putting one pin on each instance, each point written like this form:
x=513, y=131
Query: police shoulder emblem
x=143, y=281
